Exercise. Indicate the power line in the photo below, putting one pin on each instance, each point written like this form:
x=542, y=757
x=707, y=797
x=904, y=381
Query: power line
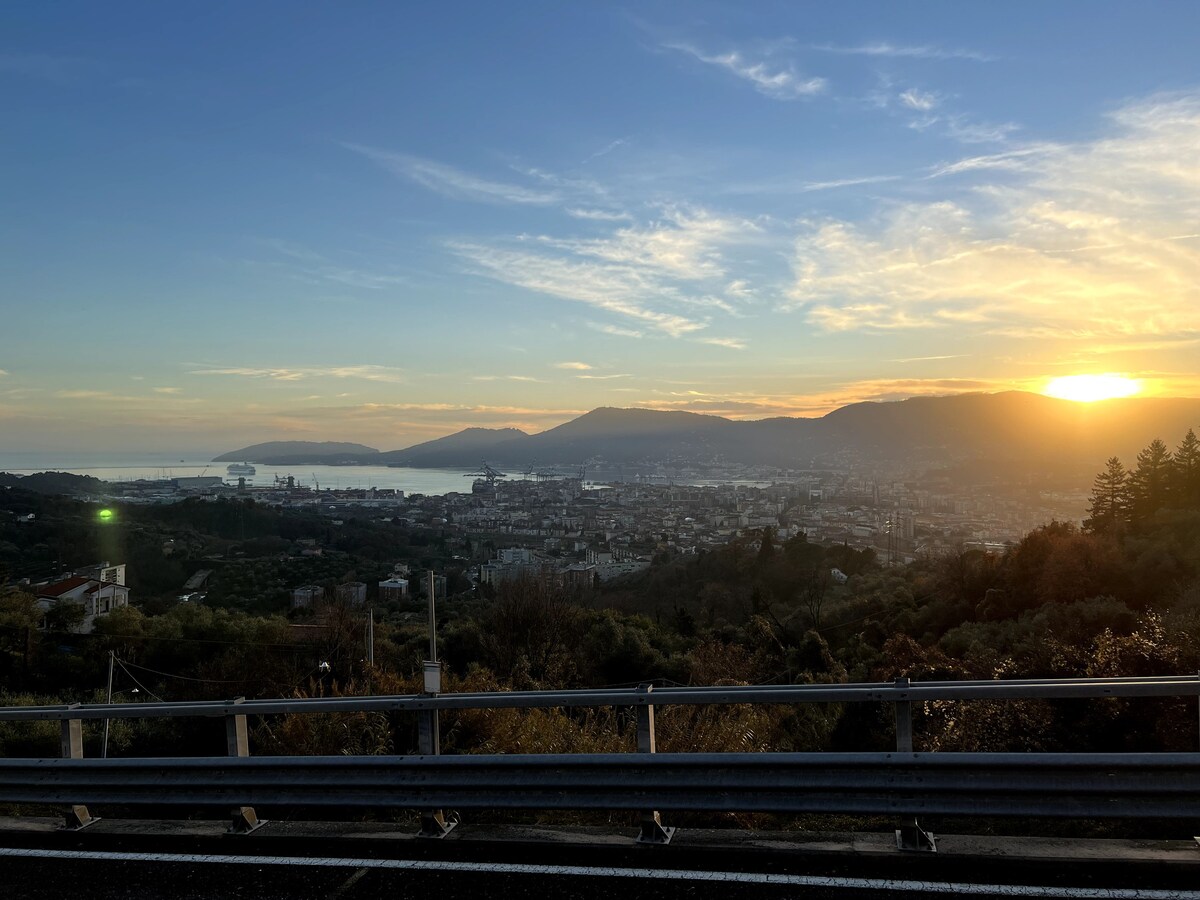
x=175, y=640
x=121, y=663
x=186, y=677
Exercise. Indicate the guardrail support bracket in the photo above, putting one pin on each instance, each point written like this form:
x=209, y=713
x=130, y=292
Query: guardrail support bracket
x=912, y=837
x=77, y=815
x=77, y=818
x=244, y=821
x=434, y=822
x=909, y=836
x=653, y=831
x=435, y=825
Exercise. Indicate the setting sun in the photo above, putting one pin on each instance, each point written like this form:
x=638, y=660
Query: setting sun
x=1089, y=388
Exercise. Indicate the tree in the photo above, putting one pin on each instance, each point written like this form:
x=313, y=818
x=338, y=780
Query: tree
x=1108, y=510
x=766, y=550
x=1148, y=483
x=65, y=616
x=812, y=594
x=1184, y=479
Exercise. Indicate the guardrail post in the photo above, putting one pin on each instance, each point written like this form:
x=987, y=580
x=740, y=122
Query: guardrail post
x=434, y=823
x=910, y=835
x=77, y=815
x=652, y=830
x=237, y=744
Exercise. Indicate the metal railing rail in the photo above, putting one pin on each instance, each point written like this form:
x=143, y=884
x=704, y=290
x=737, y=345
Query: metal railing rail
x=1027, y=689
x=1139, y=785
x=903, y=783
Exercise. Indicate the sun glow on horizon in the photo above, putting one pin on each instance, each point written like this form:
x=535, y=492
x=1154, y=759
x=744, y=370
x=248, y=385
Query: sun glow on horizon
x=1090, y=388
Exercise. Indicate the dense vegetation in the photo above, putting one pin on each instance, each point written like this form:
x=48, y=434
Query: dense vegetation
x=1121, y=596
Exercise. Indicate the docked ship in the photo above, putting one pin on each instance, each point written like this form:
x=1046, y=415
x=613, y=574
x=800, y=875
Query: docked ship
x=241, y=469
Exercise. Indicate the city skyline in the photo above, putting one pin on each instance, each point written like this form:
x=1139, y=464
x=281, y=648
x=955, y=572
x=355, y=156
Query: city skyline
x=386, y=224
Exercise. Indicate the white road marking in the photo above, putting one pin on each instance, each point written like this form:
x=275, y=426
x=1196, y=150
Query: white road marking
x=815, y=881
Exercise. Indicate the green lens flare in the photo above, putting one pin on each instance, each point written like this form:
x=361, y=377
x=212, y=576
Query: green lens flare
x=106, y=515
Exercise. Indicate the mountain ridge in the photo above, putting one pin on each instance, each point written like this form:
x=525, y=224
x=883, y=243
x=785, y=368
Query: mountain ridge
x=1003, y=426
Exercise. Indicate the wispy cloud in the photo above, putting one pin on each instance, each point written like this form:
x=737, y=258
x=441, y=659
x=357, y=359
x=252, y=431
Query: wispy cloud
x=528, y=378
x=683, y=243
x=604, y=377
x=3, y=373
x=1091, y=231
x=387, y=374
x=605, y=150
x=598, y=215
x=810, y=186
x=83, y=395
x=921, y=51
x=730, y=343
x=308, y=265
x=616, y=330
x=615, y=289
x=1023, y=159
x=777, y=186
x=919, y=100
x=968, y=131
x=771, y=79
x=168, y=390
x=131, y=401
x=578, y=366
x=657, y=274
x=452, y=182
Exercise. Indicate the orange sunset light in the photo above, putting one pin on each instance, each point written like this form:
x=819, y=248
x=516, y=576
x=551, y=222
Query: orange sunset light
x=1089, y=388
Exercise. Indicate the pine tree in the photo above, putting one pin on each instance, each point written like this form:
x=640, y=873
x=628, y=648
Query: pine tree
x=1148, y=483
x=1108, y=510
x=1185, y=473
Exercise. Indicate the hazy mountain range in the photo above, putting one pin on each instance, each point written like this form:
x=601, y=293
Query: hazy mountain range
x=1003, y=427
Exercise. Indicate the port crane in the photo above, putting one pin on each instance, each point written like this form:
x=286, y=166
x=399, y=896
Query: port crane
x=539, y=475
x=487, y=472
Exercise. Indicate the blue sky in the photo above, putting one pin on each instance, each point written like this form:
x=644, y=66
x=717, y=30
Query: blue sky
x=232, y=222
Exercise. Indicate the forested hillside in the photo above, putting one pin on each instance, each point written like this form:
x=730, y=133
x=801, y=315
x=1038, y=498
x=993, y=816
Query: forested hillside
x=1120, y=596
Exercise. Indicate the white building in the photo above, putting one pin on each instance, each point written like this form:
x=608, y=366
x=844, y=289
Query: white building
x=394, y=588
x=98, y=598
x=307, y=595
x=353, y=593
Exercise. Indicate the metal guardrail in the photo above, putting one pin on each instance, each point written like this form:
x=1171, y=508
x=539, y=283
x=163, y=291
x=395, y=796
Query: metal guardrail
x=886, y=691
x=902, y=783
x=1057, y=785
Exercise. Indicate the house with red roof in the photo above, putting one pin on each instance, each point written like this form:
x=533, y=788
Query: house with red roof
x=97, y=597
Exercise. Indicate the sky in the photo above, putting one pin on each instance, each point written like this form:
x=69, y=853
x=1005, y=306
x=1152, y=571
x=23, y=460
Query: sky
x=230, y=222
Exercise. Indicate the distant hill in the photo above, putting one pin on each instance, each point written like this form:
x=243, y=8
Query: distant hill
x=54, y=483
x=630, y=435
x=288, y=453
x=1003, y=428
x=463, y=448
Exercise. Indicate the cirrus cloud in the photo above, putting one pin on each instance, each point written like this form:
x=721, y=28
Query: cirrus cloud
x=1107, y=231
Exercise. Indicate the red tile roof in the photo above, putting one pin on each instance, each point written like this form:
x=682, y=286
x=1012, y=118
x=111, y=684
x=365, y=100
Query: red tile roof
x=63, y=587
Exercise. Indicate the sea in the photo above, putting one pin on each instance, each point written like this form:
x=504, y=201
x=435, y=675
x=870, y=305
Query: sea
x=159, y=466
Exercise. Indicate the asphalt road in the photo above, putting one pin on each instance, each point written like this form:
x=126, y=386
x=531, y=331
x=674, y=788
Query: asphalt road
x=108, y=879
x=183, y=859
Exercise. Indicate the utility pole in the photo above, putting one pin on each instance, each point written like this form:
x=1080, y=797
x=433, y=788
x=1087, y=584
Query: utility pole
x=432, y=620
x=371, y=637
x=112, y=657
x=434, y=823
